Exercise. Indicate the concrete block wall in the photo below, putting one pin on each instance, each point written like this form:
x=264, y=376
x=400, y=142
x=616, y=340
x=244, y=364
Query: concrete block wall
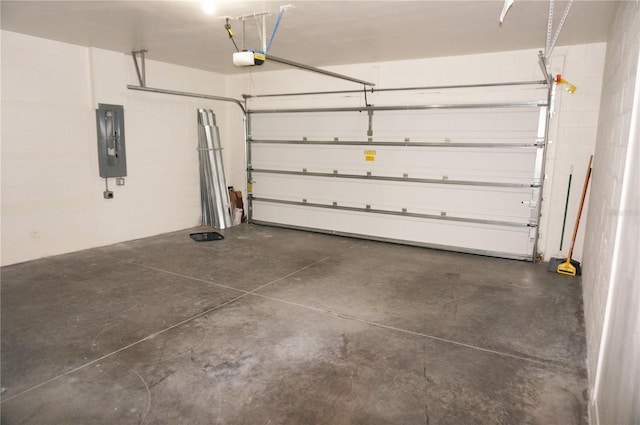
x=46, y=171
x=52, y=199
x=610, y=281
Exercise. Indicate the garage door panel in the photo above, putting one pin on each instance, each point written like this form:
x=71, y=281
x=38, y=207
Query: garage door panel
x=317, y=126
x=489, y=203
x=491, y=240
x=500, y=125
x=499, y=164
x=481, y=125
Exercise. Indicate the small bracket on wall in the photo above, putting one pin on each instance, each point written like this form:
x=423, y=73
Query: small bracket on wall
x=544, y=67
x=142, y=78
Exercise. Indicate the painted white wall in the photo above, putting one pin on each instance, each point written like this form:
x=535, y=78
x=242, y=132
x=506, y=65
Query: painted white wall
x=572, y=130
x=611, y=274
x=52, y=199
x=51, y=192
x=573, y=133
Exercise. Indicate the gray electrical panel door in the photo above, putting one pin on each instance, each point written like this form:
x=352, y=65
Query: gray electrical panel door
x=111, y=147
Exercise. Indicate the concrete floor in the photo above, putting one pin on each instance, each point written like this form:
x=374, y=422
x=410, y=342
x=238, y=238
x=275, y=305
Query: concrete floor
x=275, y=326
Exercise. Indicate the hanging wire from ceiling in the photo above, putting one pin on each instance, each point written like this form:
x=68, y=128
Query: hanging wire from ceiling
x=364, y=89
x=262, y=32
x=227, y=26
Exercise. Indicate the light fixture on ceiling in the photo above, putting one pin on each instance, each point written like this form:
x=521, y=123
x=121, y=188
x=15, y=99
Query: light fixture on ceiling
x=209, y=7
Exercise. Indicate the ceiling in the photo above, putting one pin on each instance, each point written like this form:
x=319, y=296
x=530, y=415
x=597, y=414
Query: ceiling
x=317, y=33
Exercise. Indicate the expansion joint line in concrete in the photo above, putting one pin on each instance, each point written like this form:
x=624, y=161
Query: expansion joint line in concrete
x=254, y=293
x=406, y=331
x=349, y=317
x=133, y=344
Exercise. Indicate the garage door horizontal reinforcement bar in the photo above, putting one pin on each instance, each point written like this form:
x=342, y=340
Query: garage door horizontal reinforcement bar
x=403, y=213
x=395, y=179
x=405, y=143
x=402, y=107
x=395, y=89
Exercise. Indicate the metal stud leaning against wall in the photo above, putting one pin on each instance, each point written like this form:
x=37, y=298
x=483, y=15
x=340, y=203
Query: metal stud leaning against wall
x=214, y=208
x=214, y=195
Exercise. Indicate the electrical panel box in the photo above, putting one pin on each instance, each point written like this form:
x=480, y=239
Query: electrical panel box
x=111, y=148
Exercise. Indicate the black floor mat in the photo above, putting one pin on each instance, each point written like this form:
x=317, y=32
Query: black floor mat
x=206, y=236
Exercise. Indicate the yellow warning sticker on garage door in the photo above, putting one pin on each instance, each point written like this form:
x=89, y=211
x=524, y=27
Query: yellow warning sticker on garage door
x=369, y=155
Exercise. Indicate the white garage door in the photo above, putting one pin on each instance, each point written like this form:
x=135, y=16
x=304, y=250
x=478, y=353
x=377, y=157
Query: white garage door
x=462, y=177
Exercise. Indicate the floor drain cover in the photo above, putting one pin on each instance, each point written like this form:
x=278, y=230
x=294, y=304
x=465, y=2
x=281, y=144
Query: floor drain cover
x=206, y=236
